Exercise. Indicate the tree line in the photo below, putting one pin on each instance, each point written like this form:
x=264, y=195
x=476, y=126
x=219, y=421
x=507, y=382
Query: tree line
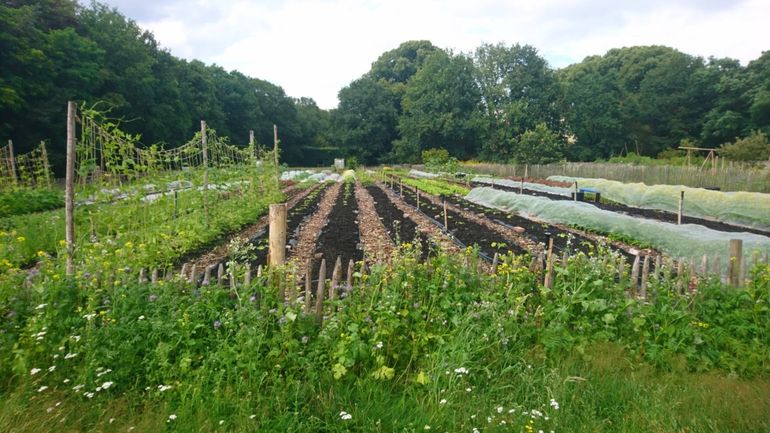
x=497, y=103
x=57, y=50
x=505, y=103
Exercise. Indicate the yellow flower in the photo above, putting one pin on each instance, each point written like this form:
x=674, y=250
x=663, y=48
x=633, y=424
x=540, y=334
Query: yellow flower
x=129, y=245
x=41, y=253
x=21, y=239
x=62, y=243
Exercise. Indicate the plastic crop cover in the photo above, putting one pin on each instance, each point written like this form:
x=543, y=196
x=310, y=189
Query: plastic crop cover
x=423, y=174
x=688, y=241
x=746, y=208
x=527, y=185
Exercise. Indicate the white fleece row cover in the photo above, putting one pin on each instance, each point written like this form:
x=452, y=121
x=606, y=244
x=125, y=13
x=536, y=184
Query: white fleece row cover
x=750, y=209
x=689, y=241
x=567, y=192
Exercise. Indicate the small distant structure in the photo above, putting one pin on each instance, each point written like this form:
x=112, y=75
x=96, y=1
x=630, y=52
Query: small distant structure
x=339, y=163
x=711, y=157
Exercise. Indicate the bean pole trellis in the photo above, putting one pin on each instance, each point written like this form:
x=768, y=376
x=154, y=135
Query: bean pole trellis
x=103, y=153
x=28, y=170
x=106, y=153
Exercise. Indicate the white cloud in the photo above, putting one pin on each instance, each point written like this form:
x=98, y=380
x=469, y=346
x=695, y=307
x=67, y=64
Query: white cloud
x=316, y=47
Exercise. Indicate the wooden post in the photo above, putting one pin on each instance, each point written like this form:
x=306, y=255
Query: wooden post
x=259, y=271
x=446, y=220
x=548, y=283
x=526, y=170
x=418, y=198
x=635, y=273
x=734, y=266
x=44, y=154
x=154, y=276
x=176, y=203
x=704, y=265
x=308, y=285
x=681, y=207
x=205, y=147
x=277, y=239
x=657, y=267
x=207, y=275
x=194, y=275
x=679, y=275
x=69, y=191
x=351, y=271
x=247, y=278
x=220, y=274
x=183, y=273
x=142, y=276
x=400, y=187
x=521, y=186
x=275, y=152
x=336, y=275
x=319, y=293
x=495, y=261
x=717, y=267
x=251, y=143
x=645, y=277
x=12, y=161
x=576, y=191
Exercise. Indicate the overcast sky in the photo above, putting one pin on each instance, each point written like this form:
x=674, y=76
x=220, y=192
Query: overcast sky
x=315, y=47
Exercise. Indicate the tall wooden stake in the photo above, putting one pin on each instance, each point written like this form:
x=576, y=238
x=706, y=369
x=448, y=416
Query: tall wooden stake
x=319, y=293
x=277, y=239
x=275, y=152
x=446, y=221
x=548, y=282
x=69, y=191
x=734, y=266
x=681, y=207
x=13, y=161
x=44, y=154
x=205, y=146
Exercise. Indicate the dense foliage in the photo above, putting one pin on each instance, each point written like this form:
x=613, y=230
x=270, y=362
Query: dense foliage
x=499, y=103
x=415, y=345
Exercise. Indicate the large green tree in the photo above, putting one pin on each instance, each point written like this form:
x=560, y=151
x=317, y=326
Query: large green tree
x=518, y=91
x=441, y=109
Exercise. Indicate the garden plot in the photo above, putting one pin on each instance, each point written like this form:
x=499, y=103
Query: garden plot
x=339, y=236
x=377, y=242
x=465, y=231
x=565, y=241
x=399, y=226
x=680, y=241
x=254, y=233
x=425, y=224
x=557, y=193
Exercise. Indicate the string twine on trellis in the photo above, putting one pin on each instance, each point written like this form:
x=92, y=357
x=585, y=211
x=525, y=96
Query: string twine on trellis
x=32, y=169
x=105, y=152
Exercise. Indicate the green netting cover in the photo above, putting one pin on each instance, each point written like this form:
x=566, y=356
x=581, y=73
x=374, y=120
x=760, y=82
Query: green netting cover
x=751, y=209
x=688, y=241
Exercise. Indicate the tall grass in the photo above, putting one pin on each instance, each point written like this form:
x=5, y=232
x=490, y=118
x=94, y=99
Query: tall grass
x=727, y=177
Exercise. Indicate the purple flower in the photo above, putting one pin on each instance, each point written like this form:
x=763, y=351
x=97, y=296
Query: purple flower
x=217, y=324
x=86, y=275
x=152, y=298
x=253, y=298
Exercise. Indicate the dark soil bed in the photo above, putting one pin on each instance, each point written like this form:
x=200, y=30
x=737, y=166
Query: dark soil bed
x=294, y=218
x=339, y=237
x=639, y=212
x=400, y=227
x=467, y=232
